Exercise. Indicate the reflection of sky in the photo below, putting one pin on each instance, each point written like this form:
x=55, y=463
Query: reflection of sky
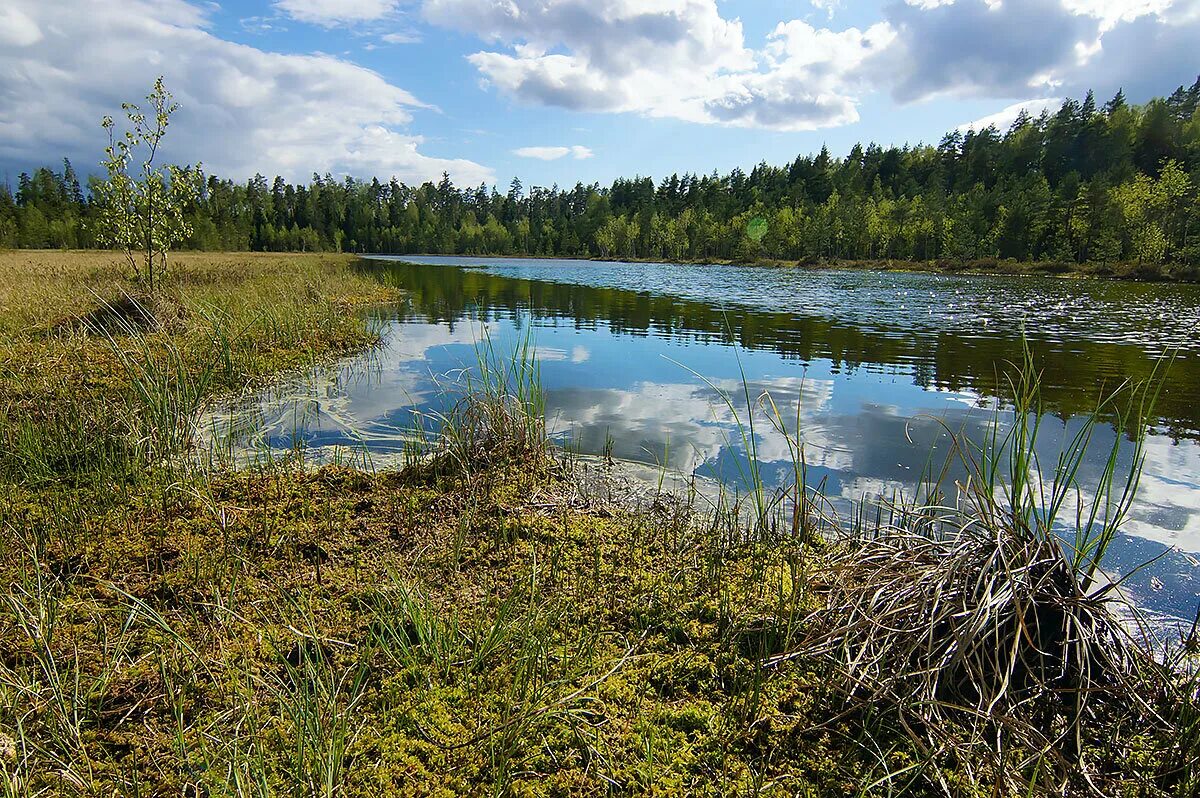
x=867, y=432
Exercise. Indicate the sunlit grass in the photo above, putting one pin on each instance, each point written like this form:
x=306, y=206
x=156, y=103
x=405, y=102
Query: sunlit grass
x=94, y=378
x=479, y=623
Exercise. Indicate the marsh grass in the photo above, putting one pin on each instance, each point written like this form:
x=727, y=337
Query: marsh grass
x=978, y=619
x=476, y=624
x=973, y=620
x=495, y=413
x=95, y=380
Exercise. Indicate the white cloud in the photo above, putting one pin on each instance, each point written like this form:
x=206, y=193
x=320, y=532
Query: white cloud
x=810, y=81
x=17, y=29
x=682, y=59
x=401, y=37
x=243, y=110
x=667, y=58
x=1112, y=12
x=542, y=153
x=554, y=153
x=828, y=6
x=329, y=13
x=1002, y=120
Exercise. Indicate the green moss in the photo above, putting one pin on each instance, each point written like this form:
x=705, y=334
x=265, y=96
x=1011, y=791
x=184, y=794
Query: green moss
x=414, y=633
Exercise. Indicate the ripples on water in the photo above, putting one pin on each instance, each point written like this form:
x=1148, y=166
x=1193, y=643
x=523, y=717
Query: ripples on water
x=872, y=363
x=1148, y=315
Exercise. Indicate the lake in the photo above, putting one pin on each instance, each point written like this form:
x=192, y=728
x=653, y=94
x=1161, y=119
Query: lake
x=655, y=361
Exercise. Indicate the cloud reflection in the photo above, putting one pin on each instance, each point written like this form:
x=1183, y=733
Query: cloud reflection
x=866, y=432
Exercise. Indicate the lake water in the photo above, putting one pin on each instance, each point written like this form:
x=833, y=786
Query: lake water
x=876, y=366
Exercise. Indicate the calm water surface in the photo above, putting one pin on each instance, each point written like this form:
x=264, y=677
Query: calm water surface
x=872, y=363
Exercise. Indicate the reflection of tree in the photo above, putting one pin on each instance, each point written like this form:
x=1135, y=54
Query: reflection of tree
x=1076, y=370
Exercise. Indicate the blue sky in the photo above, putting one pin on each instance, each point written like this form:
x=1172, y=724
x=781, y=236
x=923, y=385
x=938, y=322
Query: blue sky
x=596, y=88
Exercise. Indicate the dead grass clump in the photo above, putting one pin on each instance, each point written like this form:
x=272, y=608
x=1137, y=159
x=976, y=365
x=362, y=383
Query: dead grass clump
x=983, y=628
x=129, y=313
x=989, y=644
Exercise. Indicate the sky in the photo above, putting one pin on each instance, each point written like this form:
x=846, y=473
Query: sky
x=559, y=91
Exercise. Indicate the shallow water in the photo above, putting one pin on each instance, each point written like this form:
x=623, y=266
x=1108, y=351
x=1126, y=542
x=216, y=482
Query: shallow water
x=875, y=366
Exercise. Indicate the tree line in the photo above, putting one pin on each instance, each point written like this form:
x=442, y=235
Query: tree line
x=1088, y=183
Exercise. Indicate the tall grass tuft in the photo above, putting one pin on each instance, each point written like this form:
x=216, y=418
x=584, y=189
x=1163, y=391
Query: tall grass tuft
x=980, y=619
x=500, y=415
x=168, y=387
x=1179, y=763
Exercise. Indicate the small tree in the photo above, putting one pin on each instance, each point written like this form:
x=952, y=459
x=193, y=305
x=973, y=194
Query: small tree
x=142, y=213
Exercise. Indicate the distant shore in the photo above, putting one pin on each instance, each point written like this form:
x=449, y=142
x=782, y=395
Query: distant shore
x=1128, y=271
x=1133, y=272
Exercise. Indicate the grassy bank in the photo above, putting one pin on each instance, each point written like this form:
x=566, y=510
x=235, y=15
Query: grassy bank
x=481, y=623
x=94, y=376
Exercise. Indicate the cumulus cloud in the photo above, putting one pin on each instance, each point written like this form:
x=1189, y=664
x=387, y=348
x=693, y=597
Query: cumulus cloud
x=810, y=79
x=669, y=58
x=1111, y=12
x=243, y=110
x=329, y=13
x=972, y=48
x=1146, y=56
x=828, y=6
x=1002, y=120
x=554, y=153
x=1015, y=48
x=682, y=59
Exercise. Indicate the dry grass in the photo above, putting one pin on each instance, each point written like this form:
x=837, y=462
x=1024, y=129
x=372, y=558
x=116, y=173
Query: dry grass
x=82, y=360
x=41, y=287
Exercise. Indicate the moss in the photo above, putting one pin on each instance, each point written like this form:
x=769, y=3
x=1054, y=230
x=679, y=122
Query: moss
x=549, y=659
x=413, y=633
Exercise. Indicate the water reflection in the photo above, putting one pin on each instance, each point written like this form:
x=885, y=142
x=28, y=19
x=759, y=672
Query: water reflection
x=949, y=332
x=873, y=396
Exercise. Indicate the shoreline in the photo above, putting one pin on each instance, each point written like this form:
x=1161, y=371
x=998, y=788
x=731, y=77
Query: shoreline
x=483, y=621
x=994, y=267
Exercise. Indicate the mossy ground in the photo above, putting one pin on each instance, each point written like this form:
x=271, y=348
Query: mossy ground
x=438, y=630
x=392, y=634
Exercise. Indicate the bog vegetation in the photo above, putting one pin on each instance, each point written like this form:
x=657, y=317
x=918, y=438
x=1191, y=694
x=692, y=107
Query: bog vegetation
x=482, y=621
x=1115, y=183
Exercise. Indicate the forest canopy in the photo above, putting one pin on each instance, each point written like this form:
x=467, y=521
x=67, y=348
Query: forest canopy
x=1088, y=183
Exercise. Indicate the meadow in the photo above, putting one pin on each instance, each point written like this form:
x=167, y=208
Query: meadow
x=483, y=620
